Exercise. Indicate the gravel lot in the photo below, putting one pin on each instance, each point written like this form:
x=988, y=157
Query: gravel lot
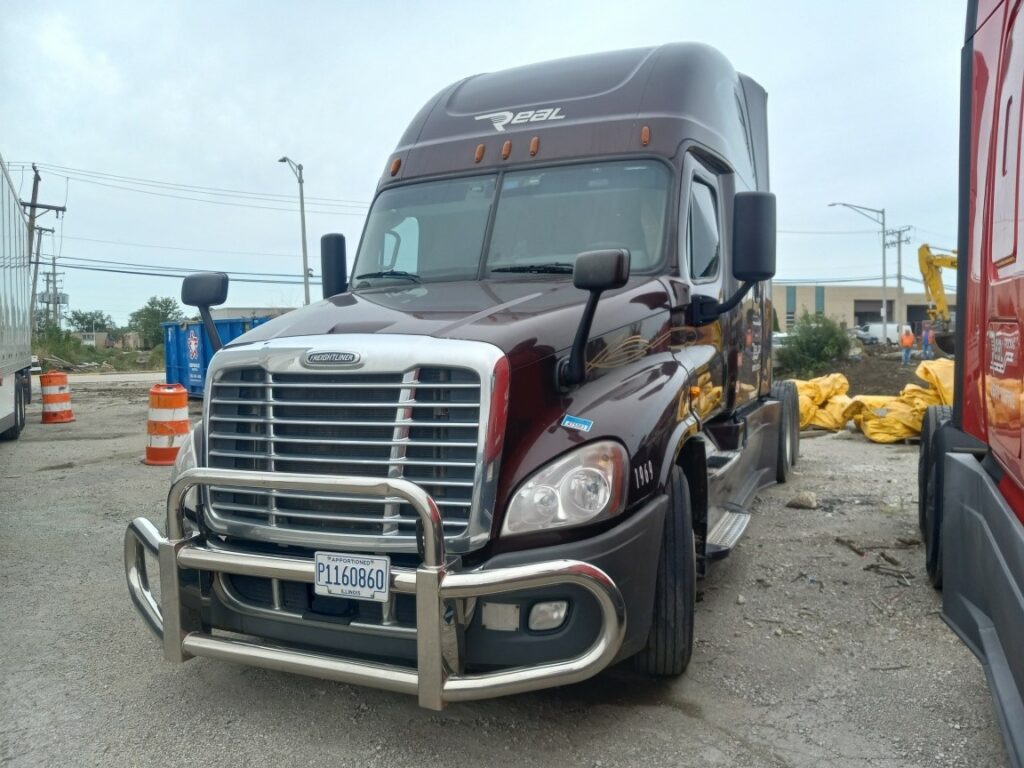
x=803, y=657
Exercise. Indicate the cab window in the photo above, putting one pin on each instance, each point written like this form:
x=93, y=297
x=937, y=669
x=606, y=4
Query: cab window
x=703, y=244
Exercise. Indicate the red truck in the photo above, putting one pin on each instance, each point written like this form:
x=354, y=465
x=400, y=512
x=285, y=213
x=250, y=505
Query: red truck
x=971, y=468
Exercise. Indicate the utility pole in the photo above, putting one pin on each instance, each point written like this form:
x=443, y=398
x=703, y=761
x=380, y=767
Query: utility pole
x=901, y=237
x=33, y=231
x=35, y=272
x=53, y=295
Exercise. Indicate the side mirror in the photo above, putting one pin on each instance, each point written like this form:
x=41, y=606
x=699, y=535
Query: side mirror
x=204, y=290
x=333, y=265
x=594, y=271
x=753, y=236
x=601, y=270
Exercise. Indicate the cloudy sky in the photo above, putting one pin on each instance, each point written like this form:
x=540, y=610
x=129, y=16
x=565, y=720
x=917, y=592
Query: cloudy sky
x=136, y=111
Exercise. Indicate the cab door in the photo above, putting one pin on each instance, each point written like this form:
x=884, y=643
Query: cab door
x=1004, y=367
x=701, y=265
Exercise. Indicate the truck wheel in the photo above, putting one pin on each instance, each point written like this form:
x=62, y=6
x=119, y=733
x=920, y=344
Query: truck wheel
x=670, y=642
x=19, y=413
x=929, y=491
x=789, y=428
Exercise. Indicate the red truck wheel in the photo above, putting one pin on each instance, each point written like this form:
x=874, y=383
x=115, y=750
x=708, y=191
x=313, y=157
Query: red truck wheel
x=670, y=642
x=929, y=491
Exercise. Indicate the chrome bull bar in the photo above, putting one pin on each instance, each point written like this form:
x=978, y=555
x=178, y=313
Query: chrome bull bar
x=438, y=677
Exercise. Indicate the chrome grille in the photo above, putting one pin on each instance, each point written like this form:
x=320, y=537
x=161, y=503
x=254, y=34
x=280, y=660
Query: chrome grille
x=423, y=424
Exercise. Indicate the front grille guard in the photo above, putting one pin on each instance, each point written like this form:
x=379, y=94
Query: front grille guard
x=439, y=677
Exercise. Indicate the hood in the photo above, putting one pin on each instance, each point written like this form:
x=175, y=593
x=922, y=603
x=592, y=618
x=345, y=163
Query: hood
x=527, y=319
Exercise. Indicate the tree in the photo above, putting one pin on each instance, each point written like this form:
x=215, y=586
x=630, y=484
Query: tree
x=146, y=321
x=87, y=321
x=812, y=346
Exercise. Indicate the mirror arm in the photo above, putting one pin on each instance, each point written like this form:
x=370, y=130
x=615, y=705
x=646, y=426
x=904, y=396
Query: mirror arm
x=211, y=328
x=705, y=309
x=573, y=370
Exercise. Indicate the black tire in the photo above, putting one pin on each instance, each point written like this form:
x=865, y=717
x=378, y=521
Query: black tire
x=789, y=429
x=19, y=413
x=670, y=642
x=929, y=491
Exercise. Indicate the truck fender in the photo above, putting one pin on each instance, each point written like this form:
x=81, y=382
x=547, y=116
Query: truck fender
x=686, y=449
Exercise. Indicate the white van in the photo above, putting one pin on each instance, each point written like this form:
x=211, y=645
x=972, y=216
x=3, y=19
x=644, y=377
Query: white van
x=893, y=331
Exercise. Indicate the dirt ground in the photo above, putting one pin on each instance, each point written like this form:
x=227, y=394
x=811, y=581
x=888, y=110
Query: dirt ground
x=876, y=374
x=806, y=654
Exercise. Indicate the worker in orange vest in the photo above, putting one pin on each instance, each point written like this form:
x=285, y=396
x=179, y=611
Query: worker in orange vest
x=906, y=344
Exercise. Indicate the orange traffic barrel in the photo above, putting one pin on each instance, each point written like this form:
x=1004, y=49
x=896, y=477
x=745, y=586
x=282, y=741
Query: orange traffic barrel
x=56, y=398
x=168, y=423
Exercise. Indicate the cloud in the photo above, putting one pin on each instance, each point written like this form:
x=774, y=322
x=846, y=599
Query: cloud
x=78, y=67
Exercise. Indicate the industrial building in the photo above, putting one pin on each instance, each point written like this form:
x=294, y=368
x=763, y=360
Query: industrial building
x=850, y=305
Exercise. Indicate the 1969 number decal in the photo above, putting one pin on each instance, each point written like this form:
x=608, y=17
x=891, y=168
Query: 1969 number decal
x=643, y=474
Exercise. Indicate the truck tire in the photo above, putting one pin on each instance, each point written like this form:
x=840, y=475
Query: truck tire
x=670, y=642
x=929, y=491
x=19, y=413
x=789, y=428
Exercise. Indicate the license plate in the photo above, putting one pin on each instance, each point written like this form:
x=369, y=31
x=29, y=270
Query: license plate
x=358, y=577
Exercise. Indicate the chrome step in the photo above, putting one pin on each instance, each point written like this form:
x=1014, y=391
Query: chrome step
x=727, y=531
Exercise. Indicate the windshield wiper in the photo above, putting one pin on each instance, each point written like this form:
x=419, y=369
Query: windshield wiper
x=555, y=267
x=391, y=273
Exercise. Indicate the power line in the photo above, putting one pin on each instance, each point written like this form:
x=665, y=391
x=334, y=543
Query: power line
x=177, y=276
x=185, y=270
x=827, y=231
x=210, y=202
x=219, y=191
x=180, y=248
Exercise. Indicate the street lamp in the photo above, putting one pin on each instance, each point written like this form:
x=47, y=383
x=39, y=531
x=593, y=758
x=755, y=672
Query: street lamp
x=877, y=215
x=297, y=170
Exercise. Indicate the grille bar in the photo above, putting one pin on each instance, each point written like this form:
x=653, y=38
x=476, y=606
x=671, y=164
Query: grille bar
x=342, y=460
x=359, y=499
x=344, y=403
x=309, y=422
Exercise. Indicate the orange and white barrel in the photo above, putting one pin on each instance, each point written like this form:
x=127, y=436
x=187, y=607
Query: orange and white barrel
x=168, y=423
x=56, y=398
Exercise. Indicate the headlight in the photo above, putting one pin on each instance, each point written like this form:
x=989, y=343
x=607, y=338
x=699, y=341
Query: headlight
x=585, y=485
x=187, y=460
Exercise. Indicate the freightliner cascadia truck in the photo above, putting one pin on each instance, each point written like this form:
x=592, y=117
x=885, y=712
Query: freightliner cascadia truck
x=15, y=293
x=498, y=456
x=971, y=471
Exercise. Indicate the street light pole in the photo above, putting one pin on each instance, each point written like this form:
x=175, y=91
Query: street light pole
x=297, y=170
x=877, y=215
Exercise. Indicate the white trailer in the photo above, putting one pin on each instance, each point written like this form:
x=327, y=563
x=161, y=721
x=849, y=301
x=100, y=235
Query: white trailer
x=15, y=302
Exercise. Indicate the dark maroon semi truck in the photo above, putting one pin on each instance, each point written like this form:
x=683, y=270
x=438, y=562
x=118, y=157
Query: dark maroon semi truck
x=498, y=456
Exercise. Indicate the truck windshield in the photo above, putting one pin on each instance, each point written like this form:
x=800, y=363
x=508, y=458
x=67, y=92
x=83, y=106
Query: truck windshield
x=435, y=231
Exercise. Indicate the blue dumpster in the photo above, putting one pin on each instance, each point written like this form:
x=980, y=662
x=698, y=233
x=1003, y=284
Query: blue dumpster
x=187, y=350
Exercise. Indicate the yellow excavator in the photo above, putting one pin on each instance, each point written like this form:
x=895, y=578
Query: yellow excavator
x=931, y=263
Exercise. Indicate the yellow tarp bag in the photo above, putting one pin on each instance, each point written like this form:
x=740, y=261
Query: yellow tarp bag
x=807, y=411
x=823, y=387
x=861, y=403
x=939, y=375
x=895, y=421
x=831, y=415
x=920, y=397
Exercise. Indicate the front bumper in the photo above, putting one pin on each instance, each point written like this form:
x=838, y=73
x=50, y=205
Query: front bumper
x=437, y=584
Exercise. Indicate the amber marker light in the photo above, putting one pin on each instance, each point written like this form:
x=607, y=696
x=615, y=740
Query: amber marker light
x=534, y=145
x=645, y=135
x=506, y=149
x=395, y=165
x=479, y=153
